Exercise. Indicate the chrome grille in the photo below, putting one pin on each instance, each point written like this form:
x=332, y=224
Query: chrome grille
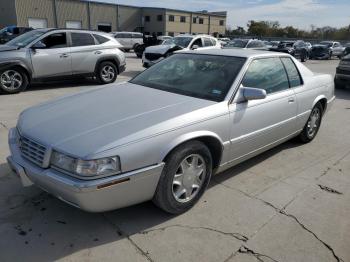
x=32, y=151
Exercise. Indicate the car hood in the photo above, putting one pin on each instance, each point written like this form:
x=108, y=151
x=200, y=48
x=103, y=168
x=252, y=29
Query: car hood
x=159, y=49
x=92, y=122
x=4, y=48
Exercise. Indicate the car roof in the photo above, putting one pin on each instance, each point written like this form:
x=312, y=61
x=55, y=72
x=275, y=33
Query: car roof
x=246, y=53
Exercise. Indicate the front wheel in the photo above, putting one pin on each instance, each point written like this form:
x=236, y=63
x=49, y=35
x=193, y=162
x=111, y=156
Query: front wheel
x=313, y=124
x=13, y=81
x=184, y=179
x=107, y=73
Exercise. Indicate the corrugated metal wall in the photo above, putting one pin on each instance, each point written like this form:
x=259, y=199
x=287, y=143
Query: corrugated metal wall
x=129, y=18
x=35, y=9
x=101, y=13
x=72, y=11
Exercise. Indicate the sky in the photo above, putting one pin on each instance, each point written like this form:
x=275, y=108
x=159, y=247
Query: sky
x=298, y=13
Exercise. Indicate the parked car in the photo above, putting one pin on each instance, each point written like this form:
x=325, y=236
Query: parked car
x=129, y=40
x=162, y=135
x=45, y=54
x=11, y=32
x=247, y=44
x=298, y=49
x=320, y=52
x=154, y=54
x=342, y=76
x=336, y=48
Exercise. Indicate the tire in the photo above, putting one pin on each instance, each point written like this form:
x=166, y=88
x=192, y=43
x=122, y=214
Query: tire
x=307, y=135
x=168, y=194
x=13, y=80
x=107, y=73
x=135, y=46
x=139, y=55
x=330, y=56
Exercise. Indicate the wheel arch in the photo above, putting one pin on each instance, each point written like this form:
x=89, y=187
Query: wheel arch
x=17, y=64
x=112, y=59
x=321, y=99
x=210, y=139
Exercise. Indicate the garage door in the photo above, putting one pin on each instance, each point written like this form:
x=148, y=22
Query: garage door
x=73, y=24
x=37, y=23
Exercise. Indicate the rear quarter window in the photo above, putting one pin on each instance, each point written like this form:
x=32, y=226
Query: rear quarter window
x=292, y=72
x=101, y=39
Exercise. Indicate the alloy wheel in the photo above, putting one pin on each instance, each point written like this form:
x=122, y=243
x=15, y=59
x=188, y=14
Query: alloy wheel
x=189, y=178
x=314, y=122
x=107, y=73
x=11, y=80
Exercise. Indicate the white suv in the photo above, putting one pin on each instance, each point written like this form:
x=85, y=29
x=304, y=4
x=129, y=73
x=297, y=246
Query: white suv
x=154, y=54
x=129, y=40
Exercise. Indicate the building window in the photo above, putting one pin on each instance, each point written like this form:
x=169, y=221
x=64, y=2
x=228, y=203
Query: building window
x=171, y=18
x=195, y=20
x=171, y=34
x=159, y=18
x=73, y=24
x=201, y=21
x=183, y=19
x=222, y=22
x=147, y=18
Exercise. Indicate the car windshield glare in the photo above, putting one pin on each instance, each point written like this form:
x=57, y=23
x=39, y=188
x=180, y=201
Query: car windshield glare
x=26, y=38
x=207, y=77
x=238, y=43
x=181, y=41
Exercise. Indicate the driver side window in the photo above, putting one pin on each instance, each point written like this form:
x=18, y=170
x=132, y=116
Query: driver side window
x=197, y=42
x=268, y=74
x=57, y=40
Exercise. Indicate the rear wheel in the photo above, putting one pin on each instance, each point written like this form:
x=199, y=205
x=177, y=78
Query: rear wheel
x=107, y=73
x=13, y=81
x=184, y=179
x=312, y=125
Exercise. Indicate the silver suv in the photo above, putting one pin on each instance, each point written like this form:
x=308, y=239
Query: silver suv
x=51, y=54
x=129, y=40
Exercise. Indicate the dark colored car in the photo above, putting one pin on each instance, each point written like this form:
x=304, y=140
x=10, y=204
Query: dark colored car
x=11, y=32
x=342, y=77
x=297, y=49
x=320, y=52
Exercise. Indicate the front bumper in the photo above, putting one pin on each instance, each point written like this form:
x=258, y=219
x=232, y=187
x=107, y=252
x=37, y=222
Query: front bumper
x=148, y=63
x=90, y=195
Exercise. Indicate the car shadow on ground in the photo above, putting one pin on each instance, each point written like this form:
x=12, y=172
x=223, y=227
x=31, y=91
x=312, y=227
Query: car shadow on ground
x=69, y=83
x=46, y=229
x=343, y=93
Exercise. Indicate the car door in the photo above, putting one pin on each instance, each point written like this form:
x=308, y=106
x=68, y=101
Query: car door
x=51, y=56
x=84, y=52
x=337, y=49
x=258, y=124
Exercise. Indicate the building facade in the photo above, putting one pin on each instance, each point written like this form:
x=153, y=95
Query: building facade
x=109, y=17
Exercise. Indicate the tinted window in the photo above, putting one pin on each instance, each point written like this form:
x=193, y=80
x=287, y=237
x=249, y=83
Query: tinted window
x=292, y=71
x=203, y=76
x=82, y=39
x=137, y=36
x=101, y=39
x=198, y=43
x=58, y=40
x=268, y=74
x=207, y=42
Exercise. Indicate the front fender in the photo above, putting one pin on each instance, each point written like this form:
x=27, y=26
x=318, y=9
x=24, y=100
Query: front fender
x=187, y=137
x=12, y=63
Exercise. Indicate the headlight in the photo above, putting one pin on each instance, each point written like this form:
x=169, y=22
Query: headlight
x=97, y=167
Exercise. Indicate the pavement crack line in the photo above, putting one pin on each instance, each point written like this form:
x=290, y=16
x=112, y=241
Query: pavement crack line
x=330, y=190
x=282, y=211
x=121, y=233
x=258, y=256
x=237, y=236
x=333, y=165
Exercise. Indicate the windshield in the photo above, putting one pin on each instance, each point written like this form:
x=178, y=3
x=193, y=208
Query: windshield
x=238, y=43
x=180, y=41
x=202, y=76
x=26, y=38
x=328, y=44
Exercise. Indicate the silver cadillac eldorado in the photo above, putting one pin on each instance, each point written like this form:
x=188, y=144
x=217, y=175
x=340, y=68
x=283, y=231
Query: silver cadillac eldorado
x=162, y=135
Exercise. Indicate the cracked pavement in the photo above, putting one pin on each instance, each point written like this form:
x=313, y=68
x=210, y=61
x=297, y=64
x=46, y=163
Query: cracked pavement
x=288, y=204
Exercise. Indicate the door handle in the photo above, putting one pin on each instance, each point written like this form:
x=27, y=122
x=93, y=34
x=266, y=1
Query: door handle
x=64, y=56
x=291, y=100
x=98, y=52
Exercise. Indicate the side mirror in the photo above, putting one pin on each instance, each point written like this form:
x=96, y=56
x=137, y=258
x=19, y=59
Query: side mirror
x=250, y=93
x=38, y=45
x=194, y=47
